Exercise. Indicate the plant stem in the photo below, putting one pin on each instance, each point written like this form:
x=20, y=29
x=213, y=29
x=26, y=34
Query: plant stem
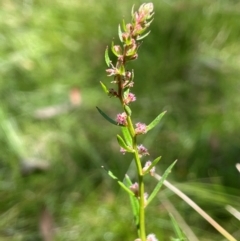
x=142, y=232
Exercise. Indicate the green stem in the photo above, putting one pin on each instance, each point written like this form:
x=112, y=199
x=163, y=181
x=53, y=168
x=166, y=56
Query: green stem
x=142, y=232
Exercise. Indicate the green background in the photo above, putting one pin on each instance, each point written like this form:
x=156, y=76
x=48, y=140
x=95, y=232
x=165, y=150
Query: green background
x=50, y=168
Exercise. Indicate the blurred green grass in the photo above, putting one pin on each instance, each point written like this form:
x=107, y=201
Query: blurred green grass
x=188, y=65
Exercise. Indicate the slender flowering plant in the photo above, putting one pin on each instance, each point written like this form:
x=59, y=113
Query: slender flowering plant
x=130, y=36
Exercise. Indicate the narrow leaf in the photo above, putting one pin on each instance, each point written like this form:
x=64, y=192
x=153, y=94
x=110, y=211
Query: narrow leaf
x=160, y=183
x=132, y=12
x=127, y=110
x=155, y=121
x=134, y=202
x=127, y=136
x=122, y=143
x=105, y=89
x=120, y=33
x=107, y=59
x=124, y=25
x=177, y=230
x=122, y=185
x=108, y=118
x=140, y=37
x=154, y=163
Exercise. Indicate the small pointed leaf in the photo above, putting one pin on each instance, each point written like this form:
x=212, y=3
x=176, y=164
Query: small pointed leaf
x=140, y=37
x=159, y=184
x=107, y=59
x=120, y=33
x=132, y=12
x=122, y=143
x=154, y=163
x=124, y=25
x=105, y=89
x=108, y=118
x=155, y=121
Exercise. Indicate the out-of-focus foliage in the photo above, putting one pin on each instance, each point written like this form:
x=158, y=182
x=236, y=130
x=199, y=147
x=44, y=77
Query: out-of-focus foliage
x=53, y=141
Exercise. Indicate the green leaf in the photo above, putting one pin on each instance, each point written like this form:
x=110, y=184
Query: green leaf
x=114, y=51
x=120, y=33
x=132, y=12
x=122, y=185
x=177, y=230
x=127, y=110
x=155, y=121
x=108, y=118
x=127, y=136
x=122, y=143
x=154, y=163
x=140, y=37
x=122, y=70
x=134, y=202
x=159, y=184
x=107, y=59
x=105, y=89
x=124, y=25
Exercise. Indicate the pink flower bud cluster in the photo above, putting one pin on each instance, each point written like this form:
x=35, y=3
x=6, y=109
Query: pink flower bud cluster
x=150, y=237
x=152, y=170
x=140, y=128
x=141, y=20
x=122, y=119
x=142, y=151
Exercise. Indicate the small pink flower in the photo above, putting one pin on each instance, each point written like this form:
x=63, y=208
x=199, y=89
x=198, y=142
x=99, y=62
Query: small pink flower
x=123, y=151
x=151, y=237
x=142, y=151
x=141, y=128
x=111, y=72
x=152, y=171
x=135, y=188
x=130, y=98
x=122, y=119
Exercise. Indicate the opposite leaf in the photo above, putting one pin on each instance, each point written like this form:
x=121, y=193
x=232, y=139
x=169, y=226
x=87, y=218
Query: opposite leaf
x=155, y=121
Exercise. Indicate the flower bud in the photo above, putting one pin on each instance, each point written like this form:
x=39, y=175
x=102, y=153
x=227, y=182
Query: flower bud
x=117, y=50
x=141, y=128
x=142, y=151
x=135, y=188
x=151, y=237
x=122, y=119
